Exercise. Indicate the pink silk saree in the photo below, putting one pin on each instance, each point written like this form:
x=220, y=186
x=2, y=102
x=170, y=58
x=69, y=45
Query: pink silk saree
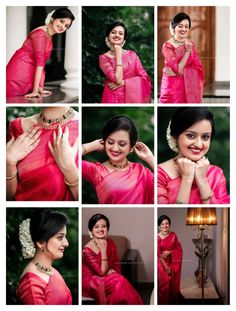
x=33, y=290
x=168, y=188
x=137, y=88
x=106, y=289
x=133, y=186
x=21, y=68
x=186, y=88
x=169, y=285
x=39, y=177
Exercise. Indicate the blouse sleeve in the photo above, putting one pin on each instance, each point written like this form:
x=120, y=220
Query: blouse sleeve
x=106, y=66
x=170, y=57
x=39, y=41
x=220, y=195
x=31, y=291
x=90, y=172
x=91, y=261
x=162, y=195
x=14, y=128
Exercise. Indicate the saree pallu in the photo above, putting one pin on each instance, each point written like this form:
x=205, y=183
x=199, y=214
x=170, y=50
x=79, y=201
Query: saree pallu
x=169, y=285
x=186, y=88
x=168, y=188
x=33, y=290
x=39, y=177
x=133, y=186
x=106, y=289
x=137, y=88
x=21, y=68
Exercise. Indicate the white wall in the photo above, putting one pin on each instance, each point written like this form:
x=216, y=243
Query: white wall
x=137, y=224
x=222, y=44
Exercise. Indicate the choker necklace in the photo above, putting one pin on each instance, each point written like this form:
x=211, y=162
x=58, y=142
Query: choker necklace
x=48, y=33
x=43, y=269
x=178, y=42
x=120, y=166
x=53, y=123
x=165, y=233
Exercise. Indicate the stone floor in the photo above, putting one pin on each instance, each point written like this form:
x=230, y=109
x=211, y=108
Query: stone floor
x=58, y=96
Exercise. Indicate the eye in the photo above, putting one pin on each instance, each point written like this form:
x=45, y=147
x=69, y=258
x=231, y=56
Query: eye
x=110, y=142
x=206, y=137
x=190, y=136
x=122, y=144
x=62, y=21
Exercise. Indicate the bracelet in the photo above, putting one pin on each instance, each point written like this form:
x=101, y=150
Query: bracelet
x=209, y=197
x=11, y=177
x=104, y=259
x=119, y=65
x=83, y=150
x=178, y=202
x=71, y=184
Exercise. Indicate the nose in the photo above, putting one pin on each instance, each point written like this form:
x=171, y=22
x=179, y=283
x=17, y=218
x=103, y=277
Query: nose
x=115, y=147
x=198, y=142
x=65, y=242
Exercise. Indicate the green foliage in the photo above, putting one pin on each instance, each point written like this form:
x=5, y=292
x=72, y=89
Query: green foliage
x=139, y=22
x=220, y=148
x=68, y=266
x=94, y=119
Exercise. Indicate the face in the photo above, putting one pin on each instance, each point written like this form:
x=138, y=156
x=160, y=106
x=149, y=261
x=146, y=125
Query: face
x=194, y=142
x=165, y=226
x=117, y=146
x=100, y=230
x=60, y=25
x=117, y=35
x=57, y=244
x=182, y=29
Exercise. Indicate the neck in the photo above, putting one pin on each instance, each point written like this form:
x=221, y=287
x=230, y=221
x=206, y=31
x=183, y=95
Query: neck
x=165, y=232
x=179, y=40
x=51, y=32
x=54, y=112
x=43, y=260
x=120, y=165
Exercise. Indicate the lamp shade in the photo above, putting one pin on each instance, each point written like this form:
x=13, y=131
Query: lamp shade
x=201, y=216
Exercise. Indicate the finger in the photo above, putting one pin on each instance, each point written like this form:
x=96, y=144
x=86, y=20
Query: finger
x=65, y=134
x=50, y=148
x=34, y=145
x=59, y=134
x=76, y=144
x=54, y=137
x=10, y=142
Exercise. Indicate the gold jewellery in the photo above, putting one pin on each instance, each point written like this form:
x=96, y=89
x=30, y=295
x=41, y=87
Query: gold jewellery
x=120, y=166
x=53, y=123
x=43, y=269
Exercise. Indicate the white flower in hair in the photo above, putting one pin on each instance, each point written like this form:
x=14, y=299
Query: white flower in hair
x=27, y=245
x=172, y=142
x=171, y=29
x=49, y=17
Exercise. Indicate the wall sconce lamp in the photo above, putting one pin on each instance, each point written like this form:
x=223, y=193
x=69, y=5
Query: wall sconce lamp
x=202, y=218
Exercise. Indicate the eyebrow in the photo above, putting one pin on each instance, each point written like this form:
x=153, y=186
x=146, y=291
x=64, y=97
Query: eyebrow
x=190, y=131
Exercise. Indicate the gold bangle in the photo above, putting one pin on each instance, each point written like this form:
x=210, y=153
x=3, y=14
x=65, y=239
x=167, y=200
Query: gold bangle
x=208, y=198
x=11, y=177
x=119, y=65
x=178, y=202
x=104, y=259
x=71, y=184
x=83, y=150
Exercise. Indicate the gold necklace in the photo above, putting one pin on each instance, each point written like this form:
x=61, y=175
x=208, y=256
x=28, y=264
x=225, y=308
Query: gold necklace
x=178, y=42
x=43, y=269
x=53, y=123
x=48, y=33
x=119, y=166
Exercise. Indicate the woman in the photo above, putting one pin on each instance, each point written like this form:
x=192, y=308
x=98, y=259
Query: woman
x=42, y=156
x=43, y=240
x=25, y=70
x=169, y=263
x=126, y=79
x=118, y=181
x=189, y=177
x=101, y=276
x=182, y=80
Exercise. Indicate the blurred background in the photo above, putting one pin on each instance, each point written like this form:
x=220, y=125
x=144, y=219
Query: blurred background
x=139, y=22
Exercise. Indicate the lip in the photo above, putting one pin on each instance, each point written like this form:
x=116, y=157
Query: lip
x=61, y=250
x=115, y=154
x=195, y=151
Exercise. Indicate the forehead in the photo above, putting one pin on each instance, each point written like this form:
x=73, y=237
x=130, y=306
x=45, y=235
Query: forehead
x=118, y=29
x=203, y=126
x=66, y=19
x=62, y=230
x=101, y=222
x=165, y=221
x=184, y=22
x=119, y=135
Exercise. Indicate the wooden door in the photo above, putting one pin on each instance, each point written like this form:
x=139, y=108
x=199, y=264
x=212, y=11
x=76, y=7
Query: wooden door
x=202, y=33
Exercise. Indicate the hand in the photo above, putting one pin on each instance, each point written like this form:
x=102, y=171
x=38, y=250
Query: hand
x=168, y=271
x=165, y=254
x=201, y=169
x=111, y=271
x=63, y=153
x=113, y=86
x=44, y=93
x=188, y=45
x=143, y=152
x=33, y=94
x=169, y=72
x=118, y=49
x=17, y=149
x=101, y=244
x=98, y=145
x=186, y=168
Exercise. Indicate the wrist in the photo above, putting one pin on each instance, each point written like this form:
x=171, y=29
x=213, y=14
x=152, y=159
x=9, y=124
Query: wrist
x=11, y=164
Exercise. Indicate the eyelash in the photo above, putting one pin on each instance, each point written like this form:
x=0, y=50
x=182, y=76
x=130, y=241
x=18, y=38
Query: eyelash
x=191, y=136
x=111, y=143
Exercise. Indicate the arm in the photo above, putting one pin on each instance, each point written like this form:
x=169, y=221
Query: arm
x=65, y=155
x=105, y=63
x=144, y=153
x=37, y=78
x=201, y=169
x=31, y=291
x=96, y=145
x=119, y=69
x=16, y=150
x=102, y=246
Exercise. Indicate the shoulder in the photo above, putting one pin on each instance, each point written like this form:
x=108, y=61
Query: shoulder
x=15, y=127
x=111, y=243
x=168, y=44
x=38, y=33
x=214, y=169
